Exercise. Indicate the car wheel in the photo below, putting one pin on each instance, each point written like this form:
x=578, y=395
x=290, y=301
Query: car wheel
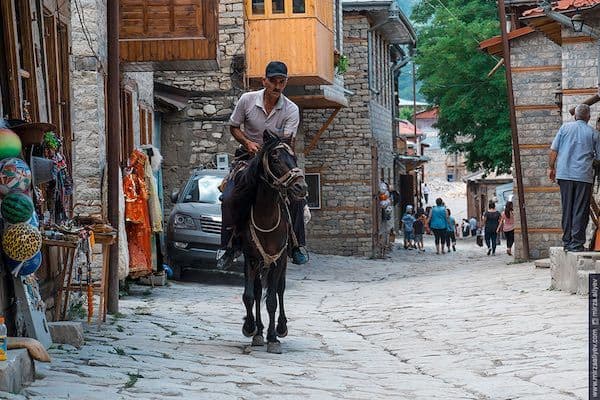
x=177, y=272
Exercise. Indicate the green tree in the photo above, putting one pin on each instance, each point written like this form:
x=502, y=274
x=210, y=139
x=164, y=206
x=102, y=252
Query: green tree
x=406, y=113
x=473, y=109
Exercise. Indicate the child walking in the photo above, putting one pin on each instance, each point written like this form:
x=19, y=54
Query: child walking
x=451, y=234
x=408, y=221
x=419, y=228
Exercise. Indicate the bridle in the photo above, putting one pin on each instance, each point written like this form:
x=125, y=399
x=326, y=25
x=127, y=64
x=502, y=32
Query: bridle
x=281, y=183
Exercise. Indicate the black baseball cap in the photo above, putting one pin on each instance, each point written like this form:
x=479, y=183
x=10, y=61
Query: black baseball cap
x=276, y=68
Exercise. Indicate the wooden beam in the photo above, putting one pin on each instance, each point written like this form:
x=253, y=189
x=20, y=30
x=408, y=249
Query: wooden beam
x=534, y=146
x=315, y=139
x=493, y=71
x=574, y=92
x=530, y=107
x=537, y=68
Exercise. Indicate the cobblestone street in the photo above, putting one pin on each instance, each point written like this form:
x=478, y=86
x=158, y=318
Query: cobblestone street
x=415, y=326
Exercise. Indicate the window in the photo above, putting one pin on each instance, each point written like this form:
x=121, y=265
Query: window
x=127, y=143
x=204, y=189
x=299, y=7
x=146, y=115
x=278, y=7
x=314, y=190
x=258, y=7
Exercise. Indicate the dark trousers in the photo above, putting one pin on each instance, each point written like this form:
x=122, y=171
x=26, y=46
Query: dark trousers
x=575, y=199
x=426, y=197
x=450, y=237
x=440, y=236
x=510, y=238
x=490, y=240
x=235, y=211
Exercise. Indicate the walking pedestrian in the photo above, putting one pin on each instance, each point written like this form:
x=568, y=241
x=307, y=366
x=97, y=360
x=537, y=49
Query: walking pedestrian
x=507, y=224
x=572, y=153
x=408, y=221
x=473, y=225
x=438, y=223
x=426, y=194
x=491, y=221
x=450, y=231
x=419, y=228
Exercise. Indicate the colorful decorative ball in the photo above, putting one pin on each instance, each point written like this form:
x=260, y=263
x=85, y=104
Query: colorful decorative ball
x=16, y=207
x=21, y=241
x=15, y=175
x=28, y=267
x=10, y=144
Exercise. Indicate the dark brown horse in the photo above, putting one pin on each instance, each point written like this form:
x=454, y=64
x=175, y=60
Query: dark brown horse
x=274, y=178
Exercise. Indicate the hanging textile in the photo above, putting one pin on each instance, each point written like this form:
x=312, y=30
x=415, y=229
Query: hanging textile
x=153, y=201
x=137, y=216
x=123, y=247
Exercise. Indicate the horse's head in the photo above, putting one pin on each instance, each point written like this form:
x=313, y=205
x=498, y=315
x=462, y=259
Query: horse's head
x=280, y=167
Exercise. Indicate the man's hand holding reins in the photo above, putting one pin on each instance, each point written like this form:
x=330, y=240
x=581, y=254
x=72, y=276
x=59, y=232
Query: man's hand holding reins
x=252, y=147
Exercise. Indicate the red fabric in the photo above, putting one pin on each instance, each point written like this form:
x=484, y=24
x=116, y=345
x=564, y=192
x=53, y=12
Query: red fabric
x=137, y=218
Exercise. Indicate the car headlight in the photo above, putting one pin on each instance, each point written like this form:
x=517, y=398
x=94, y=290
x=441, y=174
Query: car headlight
x=182, y=221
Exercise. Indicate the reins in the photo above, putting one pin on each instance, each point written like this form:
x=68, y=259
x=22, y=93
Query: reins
x=280, y=184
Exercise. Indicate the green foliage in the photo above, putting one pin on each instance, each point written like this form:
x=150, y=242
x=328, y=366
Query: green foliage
x=473, y=115
x=406, y=113
x=342, y=65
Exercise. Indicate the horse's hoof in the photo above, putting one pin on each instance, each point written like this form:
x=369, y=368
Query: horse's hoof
x=248, y=333
x=258, y=340
x=281, y=334
x=274, y=347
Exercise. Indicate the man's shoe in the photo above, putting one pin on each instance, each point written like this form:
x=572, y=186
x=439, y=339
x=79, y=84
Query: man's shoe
x=225, y=258
x=299, y=256
x=577, y=249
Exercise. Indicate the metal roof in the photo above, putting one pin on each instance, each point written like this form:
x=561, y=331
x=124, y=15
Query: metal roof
x=387, y=17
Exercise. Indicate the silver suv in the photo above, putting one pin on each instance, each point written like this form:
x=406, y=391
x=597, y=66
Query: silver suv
x=194, y=227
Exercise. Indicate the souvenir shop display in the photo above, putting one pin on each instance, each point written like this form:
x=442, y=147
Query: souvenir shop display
x=137, y=216
x=10, y=144
x=16, y=207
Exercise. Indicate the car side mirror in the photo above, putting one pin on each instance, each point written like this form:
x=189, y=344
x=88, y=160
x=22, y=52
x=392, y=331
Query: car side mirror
x=174, y=196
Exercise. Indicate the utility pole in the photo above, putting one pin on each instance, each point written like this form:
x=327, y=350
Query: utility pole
x=113, y=147
x=515, y=134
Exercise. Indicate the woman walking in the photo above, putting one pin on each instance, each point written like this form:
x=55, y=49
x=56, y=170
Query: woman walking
x=438, y=223
x=507, y=223
x=491, y=222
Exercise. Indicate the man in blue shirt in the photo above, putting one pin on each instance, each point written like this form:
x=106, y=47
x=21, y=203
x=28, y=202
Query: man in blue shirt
x=572, y=153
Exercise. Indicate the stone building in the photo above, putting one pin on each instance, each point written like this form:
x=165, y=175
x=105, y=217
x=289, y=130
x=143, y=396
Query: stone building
x=442, y=166
x=358, y=149
x=553, y=70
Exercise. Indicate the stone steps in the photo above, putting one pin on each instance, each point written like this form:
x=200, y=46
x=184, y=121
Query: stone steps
x=569, y=271
x=542, y=263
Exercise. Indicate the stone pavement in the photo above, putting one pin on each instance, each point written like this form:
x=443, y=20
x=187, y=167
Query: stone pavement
x=415, y=326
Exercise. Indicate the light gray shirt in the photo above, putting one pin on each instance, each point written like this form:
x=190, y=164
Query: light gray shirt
x=250, y=111
x=577, y=144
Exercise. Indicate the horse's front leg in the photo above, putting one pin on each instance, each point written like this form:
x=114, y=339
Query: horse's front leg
x=258, y=339
x=273, y=345
x=281, y=329
x=249, y=327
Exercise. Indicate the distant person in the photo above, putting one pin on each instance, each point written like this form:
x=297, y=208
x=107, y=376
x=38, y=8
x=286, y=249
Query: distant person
x=450, y=231
x=438, y=223
x=572, y=154
x=507, y=224
x=408, y=221
x=473, y=224
x=426, y=194
x=491, y=221
x=465, y=228
x=419, y=228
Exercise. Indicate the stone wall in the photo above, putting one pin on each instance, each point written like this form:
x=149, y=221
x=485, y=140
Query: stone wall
x=538, y=118
x=192, y=137
x=87, y=107
x=342, y=156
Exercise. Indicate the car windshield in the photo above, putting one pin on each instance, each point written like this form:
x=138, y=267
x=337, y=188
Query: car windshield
x=203, y=189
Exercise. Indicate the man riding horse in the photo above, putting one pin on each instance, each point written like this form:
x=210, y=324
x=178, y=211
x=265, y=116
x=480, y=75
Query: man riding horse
x=259, y=111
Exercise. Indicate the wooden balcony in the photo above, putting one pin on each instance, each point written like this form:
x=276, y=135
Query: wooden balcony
x=168, y=34
x=297, y=32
